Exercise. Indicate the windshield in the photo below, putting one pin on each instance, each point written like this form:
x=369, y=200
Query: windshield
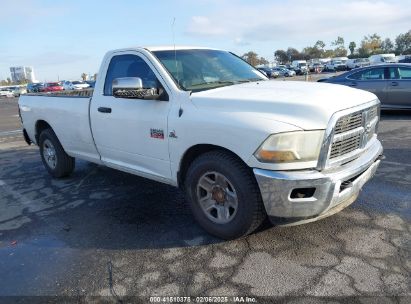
x=76, y=82
x=199, y=70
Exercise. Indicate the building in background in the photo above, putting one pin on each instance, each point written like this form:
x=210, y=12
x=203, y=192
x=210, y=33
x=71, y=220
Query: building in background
x=22, y=73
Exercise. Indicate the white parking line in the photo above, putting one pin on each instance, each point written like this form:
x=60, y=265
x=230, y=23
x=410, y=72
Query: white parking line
x=396, y=164
x=4, y=133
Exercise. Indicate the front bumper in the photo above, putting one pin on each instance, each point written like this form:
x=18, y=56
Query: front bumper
x=329, y=191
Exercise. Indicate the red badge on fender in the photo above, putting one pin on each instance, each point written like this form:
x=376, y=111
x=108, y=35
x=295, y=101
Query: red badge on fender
x=157, y=133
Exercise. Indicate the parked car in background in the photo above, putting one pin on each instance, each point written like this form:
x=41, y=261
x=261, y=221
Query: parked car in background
x=18, y=90
x=31, y=87
x=75, y=85
x=91, y=83
x=343, y=59
x=382, y=58
x=269, y=72
x=5, y=92
x=316, y=67
x=335, y=65
x=284, y=72
x=404, y=59
x=35, y=88
x=52, y=87
x=390, y=82
x=300, y=66
x=289, y=67
x=357, y=63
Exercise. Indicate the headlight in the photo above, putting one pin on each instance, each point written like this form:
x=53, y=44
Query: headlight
x=300, y=146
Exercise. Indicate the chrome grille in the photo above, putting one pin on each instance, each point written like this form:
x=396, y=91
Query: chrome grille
x=352, y=132
x=345, y=146
x=348, y=122
x=372, y=113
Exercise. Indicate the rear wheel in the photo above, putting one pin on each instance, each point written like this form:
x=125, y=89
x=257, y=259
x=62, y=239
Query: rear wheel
x=57, y=162
x=223, y=195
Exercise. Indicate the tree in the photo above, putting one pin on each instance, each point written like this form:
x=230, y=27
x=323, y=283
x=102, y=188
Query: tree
x=263, y=61
x=328, y=54
x=387, y=46
x=281, y=56
x=370, y=45
x=8, y=80
x=316, y=51
x=339, y=42
x=352, y=47
x=339, y=50
x=294, y=54
x=251, y=57
x=84, y=76
x=95, y=77
x=403, y=43
x=319, y=45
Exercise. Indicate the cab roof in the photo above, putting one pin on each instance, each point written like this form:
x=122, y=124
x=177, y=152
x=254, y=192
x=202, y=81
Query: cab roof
x=165, y=48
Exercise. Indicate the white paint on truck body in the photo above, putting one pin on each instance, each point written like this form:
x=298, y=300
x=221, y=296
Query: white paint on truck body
x=237, y=117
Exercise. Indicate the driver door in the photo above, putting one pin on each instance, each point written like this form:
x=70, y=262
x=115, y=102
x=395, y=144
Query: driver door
x=131, y=134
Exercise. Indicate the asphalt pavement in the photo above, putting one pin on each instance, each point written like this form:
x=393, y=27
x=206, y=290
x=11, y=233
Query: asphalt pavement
x=107, y=233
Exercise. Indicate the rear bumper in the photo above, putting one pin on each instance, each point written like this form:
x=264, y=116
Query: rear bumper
x=287, y=200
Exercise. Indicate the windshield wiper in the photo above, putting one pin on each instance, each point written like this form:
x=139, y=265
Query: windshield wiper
x=249, y=80
x=212, y=82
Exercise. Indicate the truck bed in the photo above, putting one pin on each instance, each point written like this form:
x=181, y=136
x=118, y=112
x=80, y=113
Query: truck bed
x=68, y=115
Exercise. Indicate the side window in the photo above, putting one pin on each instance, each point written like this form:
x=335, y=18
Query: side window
x=370, y=74
x=393, y=73
x=129, y=66
x=405, y=73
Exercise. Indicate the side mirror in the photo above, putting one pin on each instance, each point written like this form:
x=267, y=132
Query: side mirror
x=132, y=87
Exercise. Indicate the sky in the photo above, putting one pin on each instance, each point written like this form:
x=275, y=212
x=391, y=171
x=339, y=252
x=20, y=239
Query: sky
x=63, y=39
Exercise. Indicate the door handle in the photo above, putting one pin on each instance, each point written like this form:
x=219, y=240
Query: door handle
x=353, y=84
x=104, y=110
x=394, y=83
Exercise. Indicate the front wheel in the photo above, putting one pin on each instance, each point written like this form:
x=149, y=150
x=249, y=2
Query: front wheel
x=57, y=162
x=223, y=195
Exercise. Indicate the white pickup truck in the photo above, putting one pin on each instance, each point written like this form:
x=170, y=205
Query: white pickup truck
x=241, y=147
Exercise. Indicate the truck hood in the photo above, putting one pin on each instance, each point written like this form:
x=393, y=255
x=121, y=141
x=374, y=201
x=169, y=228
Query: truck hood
x=307, y=105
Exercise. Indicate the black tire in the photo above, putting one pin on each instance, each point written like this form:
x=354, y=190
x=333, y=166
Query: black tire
x=64, y=164
x=250, y=211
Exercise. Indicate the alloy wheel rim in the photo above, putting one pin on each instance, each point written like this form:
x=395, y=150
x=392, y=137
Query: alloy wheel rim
x=217, y=197
x=49, y=154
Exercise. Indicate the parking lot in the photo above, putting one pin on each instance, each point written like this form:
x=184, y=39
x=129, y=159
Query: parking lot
x=103, y=232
